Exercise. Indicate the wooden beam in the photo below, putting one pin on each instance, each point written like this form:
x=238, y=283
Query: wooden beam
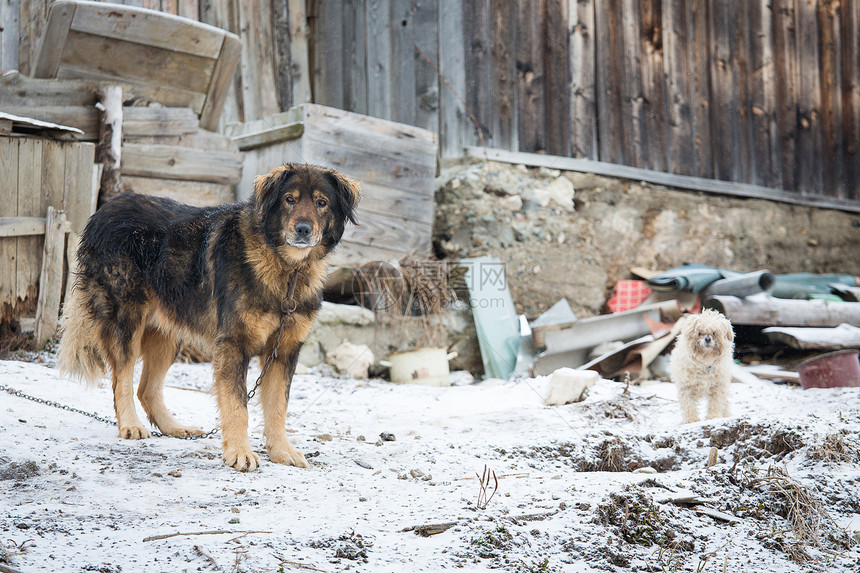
x=271, y=135
x=172, y=162
x=110, y=142
x=661, y=178
x=51, y=277
x=769, y=311
x=26, y=226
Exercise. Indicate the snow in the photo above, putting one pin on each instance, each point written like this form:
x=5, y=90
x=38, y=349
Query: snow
x=95, y=502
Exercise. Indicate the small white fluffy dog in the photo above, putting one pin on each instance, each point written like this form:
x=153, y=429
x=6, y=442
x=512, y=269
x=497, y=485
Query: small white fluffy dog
x=701, y=363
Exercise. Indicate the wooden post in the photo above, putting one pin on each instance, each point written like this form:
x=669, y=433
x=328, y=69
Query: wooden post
x=109, y=150
x=51, y=278
x=769, y=311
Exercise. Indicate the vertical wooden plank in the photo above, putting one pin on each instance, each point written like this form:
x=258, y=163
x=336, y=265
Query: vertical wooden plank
x=531, y=106
x=830, y=14
x=170, y=6
x=50, y=276
x=701, y=64
x=32, y=15
x=677, y=63
x=8, y=208
x=222, y=14
x=258, y=66
x=379, y=65
x=300, y=65
x=189, y=9
x=328, y=54
x=632, y=101
x=479, y=82
x=9, y=34
x=851, y=96
x=425, y=31
x=402, y=61
x=809, y=138
x=455, y=127
x=726, y=92
x=29, y=205
x=741, y=69
x=48, y=53
x=503, y=30
x=557, y=90
x=414, y=94
x=651, y=48
x=53, y=169
x=582, y=70
x=786, y=84
x=80, y=194
x=355, y=56
x=761, y=80
x=609, y=77
x=282, y=54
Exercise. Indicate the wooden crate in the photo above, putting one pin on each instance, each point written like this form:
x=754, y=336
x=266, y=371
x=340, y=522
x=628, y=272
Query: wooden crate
x=395, y=163
x=37, y=173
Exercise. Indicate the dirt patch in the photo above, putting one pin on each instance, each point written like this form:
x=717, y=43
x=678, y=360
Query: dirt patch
x=351, y=546
x=18, y=471
x=758, y=441
x=636, y=519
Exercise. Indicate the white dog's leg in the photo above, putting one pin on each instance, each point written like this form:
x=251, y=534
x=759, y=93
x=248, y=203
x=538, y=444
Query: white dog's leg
x=718, y=401
x=688, y=396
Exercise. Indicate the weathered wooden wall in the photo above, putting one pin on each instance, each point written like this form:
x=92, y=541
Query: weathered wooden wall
x=765, y=92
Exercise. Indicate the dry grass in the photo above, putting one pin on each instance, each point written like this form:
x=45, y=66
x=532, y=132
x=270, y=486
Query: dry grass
x=806, y=514
x=407, y=294
x=835, y=449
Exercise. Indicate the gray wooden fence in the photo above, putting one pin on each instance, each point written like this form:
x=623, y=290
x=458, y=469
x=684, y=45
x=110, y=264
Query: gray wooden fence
x=764, y=92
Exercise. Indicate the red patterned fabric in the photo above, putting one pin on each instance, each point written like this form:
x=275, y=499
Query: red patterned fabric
x=628, y=294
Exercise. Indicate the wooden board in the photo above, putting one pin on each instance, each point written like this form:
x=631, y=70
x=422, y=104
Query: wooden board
x=177, y=61
x=36, y=174
x=8, y=208
x=196, y=193
x=51, y=276
x=505, y=112
x=394, y=163
x=583, y=97
x=150, y=28
x=187, y=164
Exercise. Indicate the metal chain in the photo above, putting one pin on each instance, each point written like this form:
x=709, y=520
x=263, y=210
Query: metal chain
x=20, y=394
x=288, y=307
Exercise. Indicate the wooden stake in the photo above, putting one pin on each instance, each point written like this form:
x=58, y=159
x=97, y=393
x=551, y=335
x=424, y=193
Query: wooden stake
x=109, y=150
x=51, y=278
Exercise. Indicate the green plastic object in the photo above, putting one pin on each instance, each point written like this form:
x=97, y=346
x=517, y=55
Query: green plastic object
x=496, y=320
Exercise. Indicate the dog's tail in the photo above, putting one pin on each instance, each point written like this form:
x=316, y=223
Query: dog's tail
x=80, y=354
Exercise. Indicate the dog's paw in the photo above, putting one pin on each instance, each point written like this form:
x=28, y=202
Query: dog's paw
x=183, y=431
x=134, y=433
x=242, y=459
x=288, y=457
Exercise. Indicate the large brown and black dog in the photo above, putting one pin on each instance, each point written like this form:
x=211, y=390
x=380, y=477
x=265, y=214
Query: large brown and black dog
x=153, y=272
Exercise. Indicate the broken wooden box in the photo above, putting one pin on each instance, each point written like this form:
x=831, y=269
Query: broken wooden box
x=395, y=164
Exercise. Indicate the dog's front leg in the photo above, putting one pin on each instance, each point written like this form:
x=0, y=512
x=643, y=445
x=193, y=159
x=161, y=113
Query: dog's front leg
x=231, y=368
x=274, y=396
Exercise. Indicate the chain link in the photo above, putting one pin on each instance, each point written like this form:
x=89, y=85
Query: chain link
x=288, y=307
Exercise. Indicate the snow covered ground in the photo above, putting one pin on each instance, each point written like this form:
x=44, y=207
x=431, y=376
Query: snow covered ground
x=74, y=497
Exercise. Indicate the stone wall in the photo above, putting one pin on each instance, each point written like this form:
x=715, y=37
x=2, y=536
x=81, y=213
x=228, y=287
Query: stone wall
x=555, y=245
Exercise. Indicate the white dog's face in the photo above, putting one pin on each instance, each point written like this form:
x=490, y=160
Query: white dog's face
x=707, y=335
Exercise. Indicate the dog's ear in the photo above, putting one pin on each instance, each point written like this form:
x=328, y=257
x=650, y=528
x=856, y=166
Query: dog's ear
x=729, y=331
x=266, y=187
x=346, y=195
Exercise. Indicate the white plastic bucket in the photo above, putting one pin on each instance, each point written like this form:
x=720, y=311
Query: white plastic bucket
x=428, y=366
